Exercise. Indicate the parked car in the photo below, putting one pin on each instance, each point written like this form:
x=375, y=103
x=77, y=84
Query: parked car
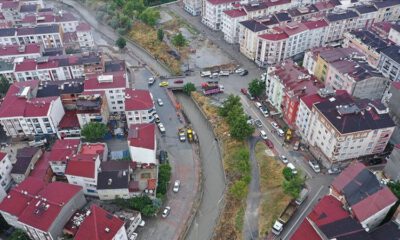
x=214, y=75
x=161, y=127
x=292, y=167
x=166, y=211
x=151, y=80
x=280, y=132
x=163, y=157
x=205, y=74
x=177, y=184
x=314, y=165
x=334, y=170
x=258, y=123
x=178, y=81
x=133, y=236
x=263, y=135
x=160, y=102
x=156, y=118
x=275, y=125
x=258, y=105
x=239, y=70
x=250, y=121
x=244, y=73
x=163, y=84
x=302, y=196
x=296, y=146
x=224, y=73
x=284, y=159
x=269, y=144
x=182, y=134
x=244, y=91
x=264, y=111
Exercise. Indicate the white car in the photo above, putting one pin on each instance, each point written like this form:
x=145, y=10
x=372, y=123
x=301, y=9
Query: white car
x=292, y=167
x=133, y=236
x=314, y=165
x=275, y=125
x=161, y=127
x=284, y=159
x=166, y=212
x=263, y=135
x=151, y=80
x=177, y=184
x=160, y=102
x=239, y=70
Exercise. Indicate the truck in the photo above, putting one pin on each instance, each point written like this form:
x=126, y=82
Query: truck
x=284, y=218
x=212, y=88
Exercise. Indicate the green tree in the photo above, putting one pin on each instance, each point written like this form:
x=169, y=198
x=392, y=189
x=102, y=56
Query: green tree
x=235, y=112
x=149, y=210
x=241, y=164
x=239, y=190
x=240, y=129
x=18, y=234
x=256, y=87
x=94, y=131
x=395, y=188
x=150, y=16
x=293, y=186
x=129, y=9
x=119, y=3
x=228, y=104
x=121, y=43
x=188, y=88
x=164, y=176
x=160, y=35
x=179, y=40
x=4, y=85
x=288, y=173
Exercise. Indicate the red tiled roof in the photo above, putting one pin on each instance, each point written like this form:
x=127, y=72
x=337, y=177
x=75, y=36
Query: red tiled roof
x=38, y=107
x=14, y=106
x=347, y=176
x=396, y=85
x=274, y=36
x=315, y=24
x=57, y=194
x=94, y=226
x=63, y=148
x=234, y=13
x=315, y=98
x=328, y=210
x=217, y=2
x=70, y=37
x=69, y=120
x=373, y=204
x=26, y=65
x=42, y=169
x=11, y=50
x=151, y=184
x=9, y=4
x=293, y=28
x=142, y=135
x=16, y=200
x=305, y=232
x=136, y=99
x=83, y=27
x=82, y=165
x=92, y=148
x=119, y=81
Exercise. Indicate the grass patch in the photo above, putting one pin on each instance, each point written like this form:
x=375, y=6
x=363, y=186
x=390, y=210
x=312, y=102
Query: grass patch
x=273, y=200
x=231, y=221
x=181, y=23
x=147, y=37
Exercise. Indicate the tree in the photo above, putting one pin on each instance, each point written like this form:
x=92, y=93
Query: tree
x=18, y=234
x=239, y=190
x=188, y=88
x=293, y=186
x=94, y=131
x=288, y=173
x=228, y=104
x=160, y=35
x=256, y=87
x=179, y=40
x=240, y=129
x=121, y=43
x=150, y=16
x=235, y=112
x=4, y=85
x=164, y=176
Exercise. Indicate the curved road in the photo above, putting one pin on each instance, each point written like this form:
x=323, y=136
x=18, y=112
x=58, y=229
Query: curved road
x=250, y=227
x=202, y=227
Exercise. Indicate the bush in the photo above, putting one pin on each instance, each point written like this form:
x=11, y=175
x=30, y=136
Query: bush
x=239, y=190
x=179, y=40
x=288, y=173
x=164, y=176
x=150, y=16
x=142, y=204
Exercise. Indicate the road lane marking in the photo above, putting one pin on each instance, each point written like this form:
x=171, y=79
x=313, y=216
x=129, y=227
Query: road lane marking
x=304, y=211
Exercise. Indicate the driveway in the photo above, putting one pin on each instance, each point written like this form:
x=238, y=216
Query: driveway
x=250, y=227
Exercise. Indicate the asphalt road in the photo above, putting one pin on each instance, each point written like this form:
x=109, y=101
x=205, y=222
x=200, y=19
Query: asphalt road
x=250, y=227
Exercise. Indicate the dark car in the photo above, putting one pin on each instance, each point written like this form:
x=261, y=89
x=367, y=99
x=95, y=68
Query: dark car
x=244, y=73
x=269, y=144
x=163, y=157
x=258, y=123
x=178, y=81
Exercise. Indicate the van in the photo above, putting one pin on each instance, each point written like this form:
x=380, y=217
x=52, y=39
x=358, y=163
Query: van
x=302, y=196
x=280, y=132
x=258, y=105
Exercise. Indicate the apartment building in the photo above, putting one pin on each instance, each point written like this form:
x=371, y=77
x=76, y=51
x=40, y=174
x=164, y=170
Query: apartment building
x=23, y=114
x=366, y=42
x=387, y=10
x=48, y=36
x=339, y=23
x=7, y=70
x=212, y=12
x=142, y=143
x=193, y=7
x=27, y=158
x=41, y=210
x=10, y=52
x=389, y=63
x=366, y=15
x=139, y=106
x=113, y=180
x=61, y=152
x=85, y=38
x=342, y=129
x=92, y=107
x=5, y=174
x=230, y=24
x=113, y=85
